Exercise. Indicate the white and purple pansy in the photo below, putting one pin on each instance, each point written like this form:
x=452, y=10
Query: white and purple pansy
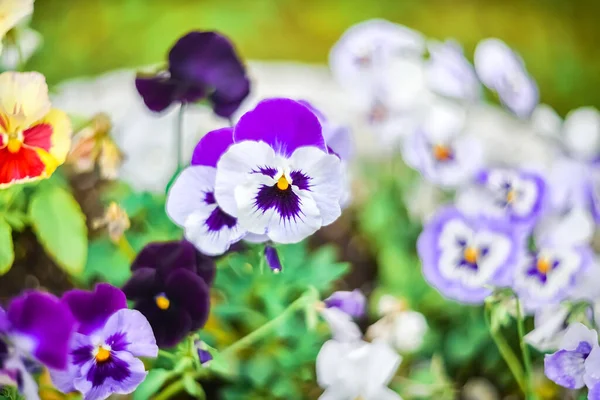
x=503, y=71
x=278, y=178
x=463, y=256
x=517, y=195
x=449, y=73
x=104, y=352
x=191, y=201
x=549, y=274
x=439, y=152
x=572, y=365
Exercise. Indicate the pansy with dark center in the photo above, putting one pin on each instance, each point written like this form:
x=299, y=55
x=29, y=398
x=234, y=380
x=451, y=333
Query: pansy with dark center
x=462, y=256
x=202, y=65
x=191, y=201
x=170, y=286
x=278, y=178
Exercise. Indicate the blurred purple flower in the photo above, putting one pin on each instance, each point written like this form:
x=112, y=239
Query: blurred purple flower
x=352, y=303
x=203, y=354
x=272, y=258
x=503, y=71
x=191, y=200
x=170, y=286
x=201, y=65
x=462, y=255
x=278, y=178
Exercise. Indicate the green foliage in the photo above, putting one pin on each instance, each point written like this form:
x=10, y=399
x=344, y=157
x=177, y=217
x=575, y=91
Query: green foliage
x=153, y=382
x=60, y=227
x=10, y=393
x=193, y=388
x=7, y=252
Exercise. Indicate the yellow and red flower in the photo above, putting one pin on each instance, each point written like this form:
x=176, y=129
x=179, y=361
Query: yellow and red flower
x=34, y=138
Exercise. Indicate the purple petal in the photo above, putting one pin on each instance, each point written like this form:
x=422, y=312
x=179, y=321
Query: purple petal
x=283, y=124
x=170, y=326
x=352, y=303
x=129, y=330
x=212, y=145
x=190, y=293
x=166, y=256
x=157, y=92
x=566, y=368
x=92, y=309
x=594, y=392
x=44, y=326
x=142, y=284
x=208, y=59
x=4, y=322
x=272, y=259
x=225, y=105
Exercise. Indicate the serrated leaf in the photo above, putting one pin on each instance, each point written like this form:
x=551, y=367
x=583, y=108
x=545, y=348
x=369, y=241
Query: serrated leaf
x=192, y=387
x=152, y=384
x=7, y=252
x=59, y=224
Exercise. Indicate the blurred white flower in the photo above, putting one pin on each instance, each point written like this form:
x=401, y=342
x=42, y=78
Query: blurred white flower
x=23, y=43
x=351, y=370
x=550, y=327
x=343, y=328
x=11, y=13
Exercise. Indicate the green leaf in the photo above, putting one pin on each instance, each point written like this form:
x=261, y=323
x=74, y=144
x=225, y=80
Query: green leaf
x=152, y=384
x=60, y=227
x=17, y=220
x=192, y=387
x=260, y=368
x=107, y=262
x=7, y=252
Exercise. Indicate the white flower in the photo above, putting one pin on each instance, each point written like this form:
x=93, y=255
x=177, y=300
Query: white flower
x=350, y=370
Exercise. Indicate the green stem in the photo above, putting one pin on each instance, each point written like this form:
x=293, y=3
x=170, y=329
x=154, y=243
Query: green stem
x=179, y=137
x=126, y=248
x=507, y=353
x=529, y=393
x=166, y=354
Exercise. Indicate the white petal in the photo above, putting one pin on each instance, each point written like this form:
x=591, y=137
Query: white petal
x=410, y=328
x=249, y=216
x=343, y=328
x=211, y=243
x=444, y=121
x=327, y=362
x=380, y=367
x=187, y=193
x=293, y=230
x=577, y=333
x=546, y=121
x=574, y=228
x=582, y=132
x=326, y=180
x=255, y=238
x=548, y=328
x=492, y=58
x=234, y=168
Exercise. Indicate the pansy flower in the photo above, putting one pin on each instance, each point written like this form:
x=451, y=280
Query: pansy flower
x=437, y=149
x=34, y=138
x=105, y=349
x=449, y=73
x=569, y=366
x=549, y=274
x=519, y=196
x=352, y=302
x=170, y=286
x=191, y=201
x=202, y=65
x=503, y=71
x=278, y=178
x=462, y=256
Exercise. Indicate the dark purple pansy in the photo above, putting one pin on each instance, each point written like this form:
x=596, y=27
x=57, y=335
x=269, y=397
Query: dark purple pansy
x=170, y=286
x=202, y=65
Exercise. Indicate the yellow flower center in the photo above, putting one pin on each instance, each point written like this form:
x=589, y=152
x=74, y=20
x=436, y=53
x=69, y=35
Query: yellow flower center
x=441, y=152
x=511, y=196
x=543, y=265
x=282, y=183
x=162, y=302
x=470, y=255
x=102, y=355
x=15, y=140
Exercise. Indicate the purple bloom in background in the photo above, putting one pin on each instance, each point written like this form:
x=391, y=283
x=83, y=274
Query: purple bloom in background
x=449, y=73
x=460, y=255
x=503, y=71
x=202, y=65
x=439, y=152
x=170, y=286
x=568, y=366
x=278, y=178
x=272, y=258
x=191, y=201
x=548, y=275
x=352, y=303
x=203, y=354
x=518, y=196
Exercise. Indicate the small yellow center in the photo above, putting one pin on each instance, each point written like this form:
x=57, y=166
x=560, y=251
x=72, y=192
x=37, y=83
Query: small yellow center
x=162, y=302
x=282, y=183
x=441, y=152
x=102, y=355
x=470, y=255
x=14, y=145
x=543, y=265
x=511, y=196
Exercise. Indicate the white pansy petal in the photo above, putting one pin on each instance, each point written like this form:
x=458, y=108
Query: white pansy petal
x=292, y=230
x=548, y=329
x=250, y=217
x=235, y=168
x=581, y=132
x=546, y=121
x=327, y=362
x=576, y=227
x=326, y=180
x=381, y=365
x=410, y=328
x=211, y=243
x=492, y=58
x=343, y=328
x=577, y=333
x=188, y=192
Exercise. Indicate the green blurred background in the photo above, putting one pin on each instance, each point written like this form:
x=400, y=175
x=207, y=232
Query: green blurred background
x=557, y=38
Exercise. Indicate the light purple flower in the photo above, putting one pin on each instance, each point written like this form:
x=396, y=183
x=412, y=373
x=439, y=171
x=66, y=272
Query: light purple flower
x=191, y=201
x=204, y=355
x=352, y=303
x=519, y=196
x=592, y=374
x=461, y=255
x=449, y=73
x=503, y=71
x=438, y=151
x=568, y=366
x=278, y=178
x=548, y=275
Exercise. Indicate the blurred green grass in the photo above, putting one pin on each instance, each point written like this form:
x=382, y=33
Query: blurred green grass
x=557, y=38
